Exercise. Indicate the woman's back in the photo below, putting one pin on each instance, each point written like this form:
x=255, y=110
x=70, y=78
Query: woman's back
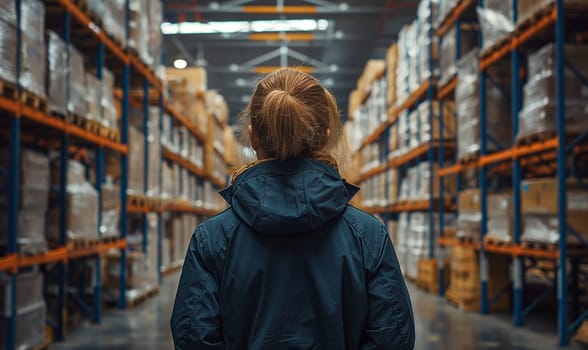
x=291, y=265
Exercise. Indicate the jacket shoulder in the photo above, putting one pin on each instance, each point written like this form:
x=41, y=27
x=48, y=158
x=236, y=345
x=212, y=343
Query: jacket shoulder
x=213, y=235
x=368, y=228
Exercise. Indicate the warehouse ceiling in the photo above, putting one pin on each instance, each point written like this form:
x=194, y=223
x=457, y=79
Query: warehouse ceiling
x=342, y=37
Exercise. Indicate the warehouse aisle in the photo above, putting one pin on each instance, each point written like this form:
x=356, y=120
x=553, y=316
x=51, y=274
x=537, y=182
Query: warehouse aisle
x=438, y=327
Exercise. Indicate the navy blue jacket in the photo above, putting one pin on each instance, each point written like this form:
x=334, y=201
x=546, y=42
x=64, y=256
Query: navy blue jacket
x=291, y=266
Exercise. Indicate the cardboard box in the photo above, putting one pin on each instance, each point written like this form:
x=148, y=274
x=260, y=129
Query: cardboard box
x=194, y=76
x=135, y=270
x=500, y=217
x=539, y=196
x=355, y=99
x=469, y=201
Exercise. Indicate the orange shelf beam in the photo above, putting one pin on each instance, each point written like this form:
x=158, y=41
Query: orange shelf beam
x=133, y=209
x=93, y=28
x=373, y=172
x=220, y=183
x=409, y=102
x=453, y=15
x=118, y=244
x=51, y=256
x=448, y=88
x=181, y=207
x=374, y=136
x=183, y=120
x=9, y=263
x=497, y=54
x=142, y=68
x=172, y=157
x=60, y=124
x=540, y=25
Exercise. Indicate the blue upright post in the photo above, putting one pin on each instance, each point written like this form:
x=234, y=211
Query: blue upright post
x=562, y=279
x=63, y=166
x=124, y=182
x=99, y=181
x=440, y=155
x=483, y=192
x=13, y=193
x=159, y=218
x=430, y=150
x=146, y=130
x=517, y=265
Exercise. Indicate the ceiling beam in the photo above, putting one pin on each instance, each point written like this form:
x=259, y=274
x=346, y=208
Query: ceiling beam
x=184, y=8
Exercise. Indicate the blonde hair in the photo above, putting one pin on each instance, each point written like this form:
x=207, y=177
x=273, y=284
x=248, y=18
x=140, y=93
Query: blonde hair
x=292, y=115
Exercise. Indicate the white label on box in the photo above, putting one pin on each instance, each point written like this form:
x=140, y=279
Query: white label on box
x=578, y=201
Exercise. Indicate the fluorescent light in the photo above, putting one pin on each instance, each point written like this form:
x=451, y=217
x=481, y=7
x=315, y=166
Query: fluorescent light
x=180, y=63
x=333, y=68
x=229, y=27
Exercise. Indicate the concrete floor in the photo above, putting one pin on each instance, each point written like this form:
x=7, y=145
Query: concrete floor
x=438, y=326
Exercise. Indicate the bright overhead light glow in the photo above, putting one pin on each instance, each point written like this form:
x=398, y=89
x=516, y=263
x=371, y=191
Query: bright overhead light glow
x=180, y=63
x=334, y=67
x=329, y=82
x=233, y=67
x=245, y=98
x=229, y=27
x=240, y=82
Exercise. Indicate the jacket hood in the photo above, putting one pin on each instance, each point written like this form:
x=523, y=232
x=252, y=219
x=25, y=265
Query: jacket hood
x=284, y=197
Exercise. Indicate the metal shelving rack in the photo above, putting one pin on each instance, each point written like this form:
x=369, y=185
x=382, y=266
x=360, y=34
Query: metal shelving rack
x=431, y=151
x=105, y=53
x=517, y=157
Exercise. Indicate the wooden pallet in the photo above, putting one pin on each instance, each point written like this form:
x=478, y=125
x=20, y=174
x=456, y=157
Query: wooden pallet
x=540, y=245
x=142, y=297
x=535, y=137
x=82, y=243
x=32, y=100
x=493, y=240
x=466, y=239
x=8, y=90
x=153, y=202
x=582, y=334
x=574, y=8
x=498, y=44
x=137, y=200
x=470, y=157
x=84, y=123
x=109, y=133
x=462, y=300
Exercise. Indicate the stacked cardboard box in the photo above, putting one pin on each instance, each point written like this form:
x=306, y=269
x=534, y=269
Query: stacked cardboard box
x=110, y=209
x=187, y=89
x=469, y=217
x=33, y=201
x=355, y=100
x=464, y=284
x=500, y=217
x=539, y=208
x=33, y=62
x=82, y=205
x=391, y=65
x=372, y=71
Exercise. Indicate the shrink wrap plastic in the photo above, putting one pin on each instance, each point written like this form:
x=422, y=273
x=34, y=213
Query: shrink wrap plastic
x=77, y=83
x=57, y=59
x=7, y=52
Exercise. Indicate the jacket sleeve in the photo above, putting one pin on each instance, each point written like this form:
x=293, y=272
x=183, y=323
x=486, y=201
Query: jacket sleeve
x=196, y=320
x=390, y=322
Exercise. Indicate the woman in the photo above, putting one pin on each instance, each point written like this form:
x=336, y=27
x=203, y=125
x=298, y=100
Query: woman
x=290, y=265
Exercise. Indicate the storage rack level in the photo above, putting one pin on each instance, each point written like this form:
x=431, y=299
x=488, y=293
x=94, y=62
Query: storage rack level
x=548, y=24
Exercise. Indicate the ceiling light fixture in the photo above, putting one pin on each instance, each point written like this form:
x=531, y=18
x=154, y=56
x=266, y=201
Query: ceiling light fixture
x=233, y=67
x=180, y=63
x=259, y=26
x=333, y=68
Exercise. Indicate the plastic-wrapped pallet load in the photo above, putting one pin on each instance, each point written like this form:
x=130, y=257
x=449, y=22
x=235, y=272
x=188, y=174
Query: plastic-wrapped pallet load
x=8, y=11
x=151, y=267
x=109, y=116
x=76, y=103
x=92, y=97
x=7, y=52
x=402, y=68
x=114, y=19
x=527, y=8
x=31, y=311
x=540, y=214
x=402, y=233
x=57, y=59
x=496, y=21
x=134, y=275
x=136, y=161
x=110, y=210
x=97, y=8
x=427, y=128
x=155, y=37
x=447, y=56
x=33, y=50
x=34, y=194
x=538, y=114
x=467, y=100
x=154, y=156
x=414, y=50
x=413, y=128
x=500, y=217
x=428, y=44
x=469, y=218
x=82, y=205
